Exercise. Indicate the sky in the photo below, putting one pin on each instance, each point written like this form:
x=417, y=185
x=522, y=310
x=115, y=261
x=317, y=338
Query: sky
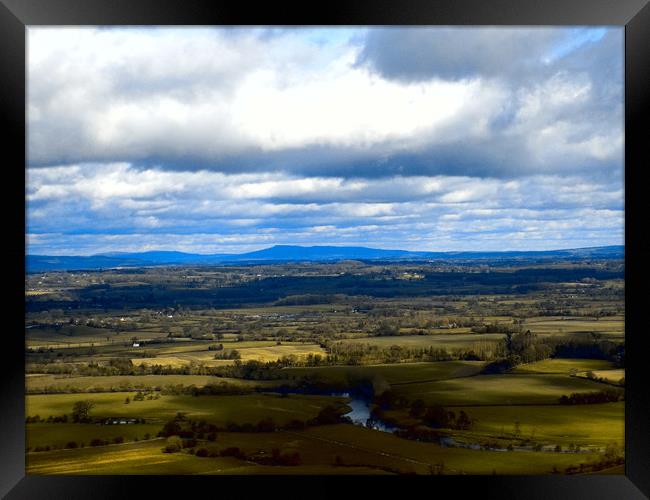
x=233, y=139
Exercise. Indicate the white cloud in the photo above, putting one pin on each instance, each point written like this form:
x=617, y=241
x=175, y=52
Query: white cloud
x=216, y=139
x=117, y=199
x=228, y=100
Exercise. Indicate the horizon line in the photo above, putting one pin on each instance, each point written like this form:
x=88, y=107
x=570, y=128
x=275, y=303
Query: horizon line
x=107, y=254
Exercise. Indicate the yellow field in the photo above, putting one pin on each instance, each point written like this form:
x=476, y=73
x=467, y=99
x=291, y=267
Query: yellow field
x=200, y=346
x=258, y=351
x=561, y=365
x=612, y=376
x=277, y=351
x=132, y=458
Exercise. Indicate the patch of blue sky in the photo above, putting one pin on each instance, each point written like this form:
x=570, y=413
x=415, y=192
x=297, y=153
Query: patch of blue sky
x=576, y=38
x=332, y=35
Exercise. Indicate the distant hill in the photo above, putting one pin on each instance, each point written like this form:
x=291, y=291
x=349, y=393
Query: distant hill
x=294, y=253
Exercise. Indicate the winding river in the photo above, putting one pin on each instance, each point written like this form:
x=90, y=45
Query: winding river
x=360, y=414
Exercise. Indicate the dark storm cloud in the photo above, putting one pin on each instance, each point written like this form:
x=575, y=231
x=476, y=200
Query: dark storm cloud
x=416, y=54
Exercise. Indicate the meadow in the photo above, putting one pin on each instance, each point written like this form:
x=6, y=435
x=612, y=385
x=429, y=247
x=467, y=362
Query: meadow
x=43, y=383
x=437, y=340
x=584, y=425
x=283, y=359
x=391, y=373
x=219, y=410
x=565, y=366
x=327, y=449
x=507, y=389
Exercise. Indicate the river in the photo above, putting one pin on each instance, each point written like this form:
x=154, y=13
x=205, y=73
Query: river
x=360, y=413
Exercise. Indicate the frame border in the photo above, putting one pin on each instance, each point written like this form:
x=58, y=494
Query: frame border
x=17, y=15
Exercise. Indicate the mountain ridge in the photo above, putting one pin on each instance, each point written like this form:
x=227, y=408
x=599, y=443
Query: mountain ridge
x=291, y=253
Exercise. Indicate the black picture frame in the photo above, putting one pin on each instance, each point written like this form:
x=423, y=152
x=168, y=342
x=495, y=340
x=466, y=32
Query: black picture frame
x=15, y=15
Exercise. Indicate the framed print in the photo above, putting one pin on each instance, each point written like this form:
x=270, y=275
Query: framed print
x=305, y=250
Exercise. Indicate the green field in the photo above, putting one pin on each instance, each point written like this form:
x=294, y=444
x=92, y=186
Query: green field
x=360, y=450
x=53, y=383
x=440, y=341
x=506, y=389
x=378, y=329
x=214, y=409
x=82, y=336
x=418, y=456
x=608, y=327
x=59, y=434
x=400, y=373
x=586, y=425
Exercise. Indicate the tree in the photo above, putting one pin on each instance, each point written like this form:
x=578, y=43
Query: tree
x=81, y=411
x=385, y=329
x=437, y=416
x=463, y=421
x=417, y=408
x=174, y=444
x=171, y=428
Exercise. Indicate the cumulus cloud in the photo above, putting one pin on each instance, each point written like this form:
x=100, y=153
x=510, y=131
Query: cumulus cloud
x=116, y=203
x=232, y=139
x=417, y=101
